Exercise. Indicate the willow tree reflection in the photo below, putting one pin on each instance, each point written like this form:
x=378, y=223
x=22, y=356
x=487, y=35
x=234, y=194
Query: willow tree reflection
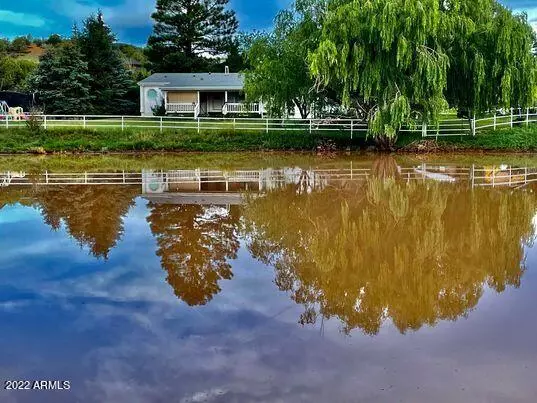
x=194, y=245
x=93, y=215
x=414, y=253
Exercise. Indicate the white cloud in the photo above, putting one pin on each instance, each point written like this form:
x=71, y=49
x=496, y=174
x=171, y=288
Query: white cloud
x=129, y=14
x=22, y=19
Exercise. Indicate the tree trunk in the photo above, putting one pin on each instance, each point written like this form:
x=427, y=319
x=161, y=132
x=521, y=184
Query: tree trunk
x=385, y=143
x=302, y=108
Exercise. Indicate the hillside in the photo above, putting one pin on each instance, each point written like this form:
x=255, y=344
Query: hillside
x=33, y=53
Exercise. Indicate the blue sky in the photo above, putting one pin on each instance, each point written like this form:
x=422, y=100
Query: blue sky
x=131, y=20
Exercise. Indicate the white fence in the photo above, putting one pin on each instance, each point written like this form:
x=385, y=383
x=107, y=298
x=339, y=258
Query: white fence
x=446, y=127
x=471, y=127
x=269, y=179
x=198, y=124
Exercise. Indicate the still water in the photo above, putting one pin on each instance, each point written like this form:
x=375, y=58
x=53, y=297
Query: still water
x=281, y=278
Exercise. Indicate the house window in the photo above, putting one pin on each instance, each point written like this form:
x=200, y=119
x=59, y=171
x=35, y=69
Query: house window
x=152, y=95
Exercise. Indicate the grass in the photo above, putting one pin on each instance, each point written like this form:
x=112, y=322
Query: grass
x=520, y=138
x=228, y=139
x=515, y=139
x=168, y=161
x=76, y=140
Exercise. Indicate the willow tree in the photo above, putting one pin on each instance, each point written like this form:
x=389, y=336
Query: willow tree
x=401, y=60
x=386, y=57
x=491, y=60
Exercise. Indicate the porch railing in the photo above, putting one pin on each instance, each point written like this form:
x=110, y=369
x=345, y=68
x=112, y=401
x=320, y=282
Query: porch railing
x=180, y=107
x=240, y=107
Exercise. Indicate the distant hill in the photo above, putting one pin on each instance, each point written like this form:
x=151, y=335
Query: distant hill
x=33, y=52
x=134, y=55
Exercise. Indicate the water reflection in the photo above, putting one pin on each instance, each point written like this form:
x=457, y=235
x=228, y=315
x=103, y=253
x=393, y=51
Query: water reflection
x=187, y=284
x=93, y=215
x=195, y=244
x=412, y=253
x=374, y=242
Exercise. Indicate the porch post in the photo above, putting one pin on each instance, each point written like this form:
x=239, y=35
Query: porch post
x=226, y=97
x=142, y=100
x=165, y=100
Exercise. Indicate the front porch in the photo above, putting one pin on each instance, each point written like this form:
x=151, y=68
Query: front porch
x=207, y=103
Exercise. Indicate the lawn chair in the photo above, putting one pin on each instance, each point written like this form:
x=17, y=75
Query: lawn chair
x=16, y=113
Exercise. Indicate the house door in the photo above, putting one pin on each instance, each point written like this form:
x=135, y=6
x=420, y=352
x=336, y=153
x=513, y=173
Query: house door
x=215, y=102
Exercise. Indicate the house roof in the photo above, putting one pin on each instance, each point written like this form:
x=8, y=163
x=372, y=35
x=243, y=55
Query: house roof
x=195, y=81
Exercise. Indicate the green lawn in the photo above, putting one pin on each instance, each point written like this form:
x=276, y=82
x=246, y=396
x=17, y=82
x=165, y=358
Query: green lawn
x=21, y=140
x=230, y=136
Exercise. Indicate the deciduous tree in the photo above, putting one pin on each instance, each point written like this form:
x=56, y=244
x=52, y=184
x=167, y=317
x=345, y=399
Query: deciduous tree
x=490, y=52
x=279, y=73
x=14, y=73
x=406, y=60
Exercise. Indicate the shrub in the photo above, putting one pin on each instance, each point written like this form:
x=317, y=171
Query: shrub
x=34, y=122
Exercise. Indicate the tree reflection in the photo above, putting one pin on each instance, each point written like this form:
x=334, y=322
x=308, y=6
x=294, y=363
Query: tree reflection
x=93, y=215
x=413, y=253
x=194, y=244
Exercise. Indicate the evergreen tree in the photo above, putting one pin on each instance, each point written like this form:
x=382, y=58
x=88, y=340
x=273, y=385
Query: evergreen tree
x=63, y=82
x=111, y=83
x=187, y=32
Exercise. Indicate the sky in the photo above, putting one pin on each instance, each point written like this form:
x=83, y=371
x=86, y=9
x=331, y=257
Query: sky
x=131, y=20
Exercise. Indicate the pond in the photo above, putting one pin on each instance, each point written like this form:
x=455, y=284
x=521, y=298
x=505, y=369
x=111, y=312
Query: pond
x=269, y=278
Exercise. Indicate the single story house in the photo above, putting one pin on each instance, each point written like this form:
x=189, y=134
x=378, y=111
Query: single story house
x=196, y=94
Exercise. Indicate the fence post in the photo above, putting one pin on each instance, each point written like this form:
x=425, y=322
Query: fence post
x=511, y=118
x=472, y=125
x=198, y=124
x=161, y=124
x=267, y=125
x=527, y=117
x=45, y=122
x=495, y=118
x=423, y=129
x=352, y=128
x=310, y=126
x=84, y=121
x=234, y=124
x=122, y=123
x=7, y=121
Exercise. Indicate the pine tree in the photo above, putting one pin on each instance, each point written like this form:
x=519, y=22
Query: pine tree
x=187, y=32
x=111, y=82
x=62, y=81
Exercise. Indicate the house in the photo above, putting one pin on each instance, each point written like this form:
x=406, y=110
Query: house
x=196, y=94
